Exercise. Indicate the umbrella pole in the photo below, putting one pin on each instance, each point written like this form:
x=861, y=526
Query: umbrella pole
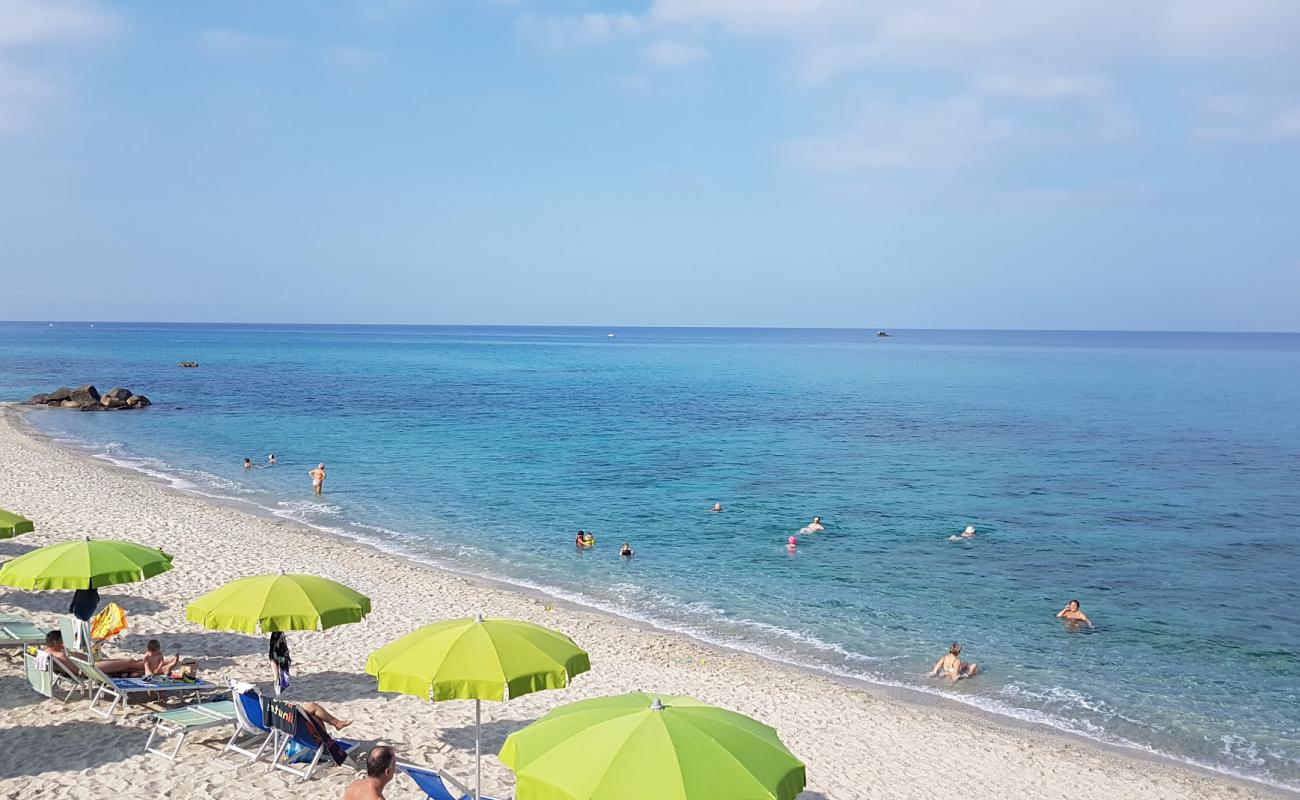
x=478, y=757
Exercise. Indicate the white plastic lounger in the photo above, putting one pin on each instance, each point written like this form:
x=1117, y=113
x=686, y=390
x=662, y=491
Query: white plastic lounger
x=181, y=722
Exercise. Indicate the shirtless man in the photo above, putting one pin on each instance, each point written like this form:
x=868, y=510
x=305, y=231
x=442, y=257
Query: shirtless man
x=381, y=763
x=813, y=527
x=317, y=478
x=1072, y=614
x=952, y=666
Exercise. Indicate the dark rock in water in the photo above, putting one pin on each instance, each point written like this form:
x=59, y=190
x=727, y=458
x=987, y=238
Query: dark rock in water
x=188, y=364
x=85, y=395
x=87, y=398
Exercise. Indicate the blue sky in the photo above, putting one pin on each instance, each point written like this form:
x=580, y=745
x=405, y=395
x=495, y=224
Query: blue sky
x=896, y=163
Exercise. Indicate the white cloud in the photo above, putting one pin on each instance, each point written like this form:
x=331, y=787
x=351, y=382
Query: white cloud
x=352, y=58
x=579, y=30
x=225, y=40
x=33, y=34
x=670, y=53
x=947, y=135
x=1249, y=118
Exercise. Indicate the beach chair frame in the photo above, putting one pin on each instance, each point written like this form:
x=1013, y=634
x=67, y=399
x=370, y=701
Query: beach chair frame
x=19, y=633
x=121, y=693
x=288, y=723
x=47, y=681
x=252, y=733
x=212, y=715
x=441, y=784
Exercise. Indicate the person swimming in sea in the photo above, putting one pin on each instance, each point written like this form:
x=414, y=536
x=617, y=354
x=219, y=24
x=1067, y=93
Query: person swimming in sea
x=270, y=460
x=248, y=463
x=1073, y=616
x=717, y=508
x=581, y=539
x=951, y=665
x=969, y=533
x=813, y=527
x=626, y=551
x=791, y=543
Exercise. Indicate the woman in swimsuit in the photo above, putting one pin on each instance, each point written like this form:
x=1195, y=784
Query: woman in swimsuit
x=1072, y=614
x=952, y=666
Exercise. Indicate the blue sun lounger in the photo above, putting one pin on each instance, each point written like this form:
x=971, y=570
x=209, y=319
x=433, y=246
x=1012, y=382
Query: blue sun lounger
x=435, y=784
x=301, y=738
x=251, y=731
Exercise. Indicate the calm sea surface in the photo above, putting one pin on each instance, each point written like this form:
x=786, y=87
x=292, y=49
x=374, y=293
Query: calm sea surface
x=1152, y=476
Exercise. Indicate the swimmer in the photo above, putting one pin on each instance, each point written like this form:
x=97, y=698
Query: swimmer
x=626, y=551
x=589, y=539
x=791, y=543
x=248, y=463
x=813, y=527
x=270, y=460
x=581, y=539
x=717, y=508
x=1072, y=614
x=317, y=478
x=952, y=666
x=969, y=533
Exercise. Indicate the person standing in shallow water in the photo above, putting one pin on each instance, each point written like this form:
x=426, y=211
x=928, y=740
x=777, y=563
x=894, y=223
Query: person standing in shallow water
x=1073, y=616
x=317, y=478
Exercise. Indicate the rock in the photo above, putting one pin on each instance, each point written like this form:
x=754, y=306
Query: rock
x=118, y=393
x=37, y=400
x=112, y=401
x=188, y=364
x=70, y=404
x=59, y=395
x=141, y=400
x=85, y=395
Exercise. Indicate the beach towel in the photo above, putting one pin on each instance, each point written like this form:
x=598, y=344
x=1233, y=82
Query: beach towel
x=109, y=622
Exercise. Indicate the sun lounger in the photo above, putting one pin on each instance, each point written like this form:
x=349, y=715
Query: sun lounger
x=17, y=632
x=250, y=730
x=435, y=784
x=52, y=678
x=181, y=722
x=124, y=690
x=76, y=633
x=301, y=738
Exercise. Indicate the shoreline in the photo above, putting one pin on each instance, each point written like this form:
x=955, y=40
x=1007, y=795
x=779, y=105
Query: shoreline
x=1162, y=775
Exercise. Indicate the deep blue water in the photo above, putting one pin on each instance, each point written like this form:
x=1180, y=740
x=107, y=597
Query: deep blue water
x=1153, y=476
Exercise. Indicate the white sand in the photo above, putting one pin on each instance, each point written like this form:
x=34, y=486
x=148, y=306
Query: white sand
x=857, y=742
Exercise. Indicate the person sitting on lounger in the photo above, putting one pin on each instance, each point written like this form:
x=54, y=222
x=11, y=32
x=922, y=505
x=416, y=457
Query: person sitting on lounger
x=112, y=667
x=381, y=764
x=155, y=663
x=318, y=712
x=952, y=666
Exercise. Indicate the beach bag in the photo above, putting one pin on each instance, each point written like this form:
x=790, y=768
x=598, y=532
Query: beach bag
x=109, y=622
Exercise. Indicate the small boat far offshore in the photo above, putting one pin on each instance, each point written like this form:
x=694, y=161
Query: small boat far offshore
x=882, y=334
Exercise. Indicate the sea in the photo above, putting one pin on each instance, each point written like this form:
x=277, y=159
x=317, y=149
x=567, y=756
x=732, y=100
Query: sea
x=1152, y=476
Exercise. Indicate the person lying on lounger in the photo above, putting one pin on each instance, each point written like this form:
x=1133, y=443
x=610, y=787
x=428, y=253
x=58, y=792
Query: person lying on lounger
x=112, y=667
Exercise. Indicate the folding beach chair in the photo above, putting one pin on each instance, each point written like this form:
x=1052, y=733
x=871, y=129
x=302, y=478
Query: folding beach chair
x=301, y=738
x=435, y=784
x=250, y=729
x=124, y=690
x=76, y=637
x=181, y=722
x=17, y=632
x=51, y=678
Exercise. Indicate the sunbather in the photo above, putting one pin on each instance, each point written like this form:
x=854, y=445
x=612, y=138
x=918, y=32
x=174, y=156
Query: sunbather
x=381, y=763
x=318, y=712
x=112, y=667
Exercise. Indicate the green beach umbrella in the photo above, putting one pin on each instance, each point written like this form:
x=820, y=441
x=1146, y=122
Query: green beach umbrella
x=12, y=525
x=477, y=659
x=643, y=747
x=87, y=564
x=278, y=603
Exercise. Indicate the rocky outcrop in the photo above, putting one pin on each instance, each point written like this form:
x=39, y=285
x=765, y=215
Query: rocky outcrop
x=88, y=398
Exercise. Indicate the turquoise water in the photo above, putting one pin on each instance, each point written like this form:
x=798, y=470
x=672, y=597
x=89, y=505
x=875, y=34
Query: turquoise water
x=1153, y=476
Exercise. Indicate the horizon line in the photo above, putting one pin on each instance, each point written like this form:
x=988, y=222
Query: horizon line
x=616, y=326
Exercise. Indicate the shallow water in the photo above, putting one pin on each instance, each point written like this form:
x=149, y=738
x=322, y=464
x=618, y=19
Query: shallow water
x=1153, y=476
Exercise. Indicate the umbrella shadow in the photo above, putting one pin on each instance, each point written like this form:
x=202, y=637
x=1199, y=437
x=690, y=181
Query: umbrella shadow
x=214, y=645
x=812, y=796
x=81, y=745
x=16, y=693
x=12, y=549
x=330, y=686
x=494, y=734
x=56, y=602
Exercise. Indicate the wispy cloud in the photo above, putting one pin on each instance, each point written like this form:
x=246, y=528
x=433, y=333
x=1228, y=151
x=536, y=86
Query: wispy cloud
x=670, y=53
x=1249, y=118
x=228, y=41
x=940, y=136
x=31, y=31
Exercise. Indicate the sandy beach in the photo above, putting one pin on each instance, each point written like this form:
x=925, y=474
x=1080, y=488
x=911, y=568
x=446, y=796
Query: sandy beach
x=857, y=742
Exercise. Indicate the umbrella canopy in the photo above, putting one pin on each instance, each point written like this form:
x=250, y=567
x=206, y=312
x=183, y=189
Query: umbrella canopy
x=12, y=525
x=278, y=603
x=88, y=564
x=477, y=659
x=638, y=746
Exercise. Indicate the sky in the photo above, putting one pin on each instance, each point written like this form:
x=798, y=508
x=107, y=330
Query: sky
x=1044, y=164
